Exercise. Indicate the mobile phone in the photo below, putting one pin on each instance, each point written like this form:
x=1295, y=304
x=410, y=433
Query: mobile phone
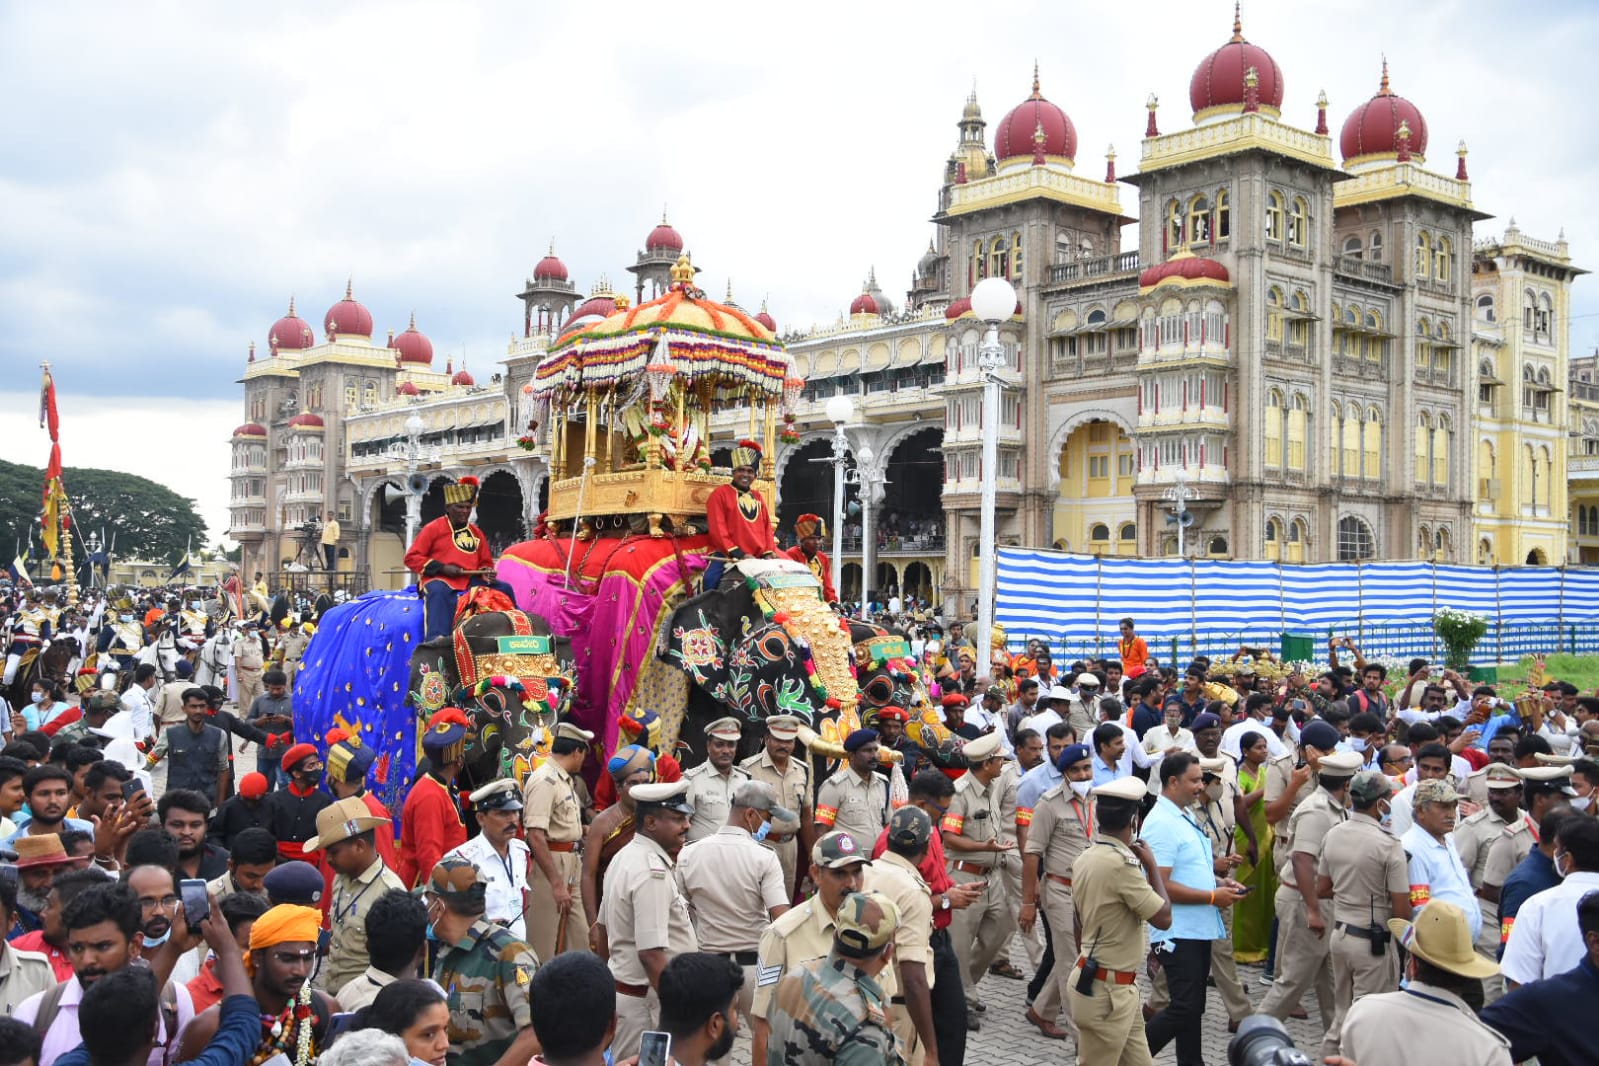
x=131, y=788
x=1244, y=891
x=196, y=905
x=654, y=1048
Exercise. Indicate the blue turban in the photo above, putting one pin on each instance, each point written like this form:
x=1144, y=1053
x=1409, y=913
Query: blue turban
x=628, y=760
x=1074, y=753
x=859, y=739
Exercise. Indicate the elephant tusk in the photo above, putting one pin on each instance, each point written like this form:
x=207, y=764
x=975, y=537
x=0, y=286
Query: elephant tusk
x=819, y=745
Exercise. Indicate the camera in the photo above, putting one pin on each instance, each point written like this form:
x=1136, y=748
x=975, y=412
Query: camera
x=1263, y=1041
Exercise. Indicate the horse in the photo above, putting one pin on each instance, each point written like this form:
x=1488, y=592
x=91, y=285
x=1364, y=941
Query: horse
x=51, y=665
x=215, y=659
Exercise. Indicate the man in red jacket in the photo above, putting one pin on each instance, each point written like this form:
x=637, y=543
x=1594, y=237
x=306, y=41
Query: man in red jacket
x=810, y=530
x=431, y=823
x=449, y=555
x=740, y=524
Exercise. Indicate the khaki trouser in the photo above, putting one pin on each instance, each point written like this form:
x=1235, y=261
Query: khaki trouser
x=788, y=857
x=634, y=1015
x=1223, y=968
x=1058, y=912
x=1110, y=1024
x=980, y=932
x=1357, y=972
x=544, y=920
x=249, y=687
x=910, y=1042
x=1303, y=961
x=290, y=668
x=1010, y=865
x=1488, y=946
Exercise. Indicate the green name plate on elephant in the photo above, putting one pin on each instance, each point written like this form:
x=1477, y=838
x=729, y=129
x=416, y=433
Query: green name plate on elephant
x=789, y=581
x=884, y=648
x=529, y=645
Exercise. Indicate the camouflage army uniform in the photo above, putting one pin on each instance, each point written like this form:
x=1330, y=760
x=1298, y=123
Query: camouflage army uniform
x=828, y=1011
x=486, y=976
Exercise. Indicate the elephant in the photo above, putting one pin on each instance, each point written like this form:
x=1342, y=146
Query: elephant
x=505, y=669
x=366, y=671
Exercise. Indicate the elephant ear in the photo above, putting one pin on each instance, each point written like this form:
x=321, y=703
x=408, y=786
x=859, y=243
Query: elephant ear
x=770, y=674
x=696, y=643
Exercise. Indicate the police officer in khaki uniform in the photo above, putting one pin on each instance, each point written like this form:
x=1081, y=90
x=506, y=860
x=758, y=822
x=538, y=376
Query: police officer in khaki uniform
x=712, y=783
x=1116, y=888
x=908, y=983
x=1541, y=788
x=855, y=800
x=346, y=832
x=552, y=813
x=1474, y=837
x=791, y=778
x=1364, y=870
x=644, y=920
x=733, y=885
x=1061, y=828
x=1303, y=962
x=973, y=845
x=805, y=933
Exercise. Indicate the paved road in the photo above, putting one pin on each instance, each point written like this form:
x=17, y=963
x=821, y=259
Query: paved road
x=1006, y=1039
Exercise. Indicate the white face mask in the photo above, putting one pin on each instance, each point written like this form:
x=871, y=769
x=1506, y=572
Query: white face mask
x=1081, y=788
x=1581, y=803
x=1357, y=743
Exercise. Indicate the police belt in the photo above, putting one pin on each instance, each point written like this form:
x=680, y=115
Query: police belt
x=972, y=868
x=636, y=991
x=1365, y=932
x=1117, y=977
x=563, y=845
x=1060, y=879
x=743, y=958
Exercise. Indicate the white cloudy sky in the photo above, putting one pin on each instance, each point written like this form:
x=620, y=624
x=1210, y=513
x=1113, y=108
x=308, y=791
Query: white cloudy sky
x=174, y=171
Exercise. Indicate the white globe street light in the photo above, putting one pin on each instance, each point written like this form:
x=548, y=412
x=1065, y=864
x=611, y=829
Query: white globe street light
x=993, y=301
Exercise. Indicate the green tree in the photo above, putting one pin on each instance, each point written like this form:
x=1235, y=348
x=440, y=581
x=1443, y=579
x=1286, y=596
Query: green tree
x=147, y=519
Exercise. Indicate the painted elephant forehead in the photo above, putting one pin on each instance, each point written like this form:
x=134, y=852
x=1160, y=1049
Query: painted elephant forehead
x=355, y=675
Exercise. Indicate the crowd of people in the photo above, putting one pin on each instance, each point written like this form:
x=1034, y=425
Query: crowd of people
x=1417, y=851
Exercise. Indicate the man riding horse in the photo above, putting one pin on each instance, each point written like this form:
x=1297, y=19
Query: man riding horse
x=450, y=555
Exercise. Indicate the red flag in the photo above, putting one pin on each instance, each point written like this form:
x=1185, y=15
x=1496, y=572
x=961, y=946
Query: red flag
x=47, y=408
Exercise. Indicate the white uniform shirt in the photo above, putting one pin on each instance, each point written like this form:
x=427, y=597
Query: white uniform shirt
x=136, y=701
x=1545, y=940
x=507, y=879
x=1232, y=740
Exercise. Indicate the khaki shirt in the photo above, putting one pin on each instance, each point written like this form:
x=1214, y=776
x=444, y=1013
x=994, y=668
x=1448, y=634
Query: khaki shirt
x=1474, y=838
x=732, y=884
x=364, y=989
x=793, y=785
x=1306, y=829
x=712, y=796
x=1063, y=827
x=1007, y=782
x=1113, y=900
x=1391, y=1026
x=1366, y=864
x=1279, y=775
x=353, y=897
x=801, y=935
x=1507, y=850
x=643, y=910
x=853, y=806
x=899, y=880
x=550, y=803
x=1219, y=817
x=22, y=974
x=974, y=814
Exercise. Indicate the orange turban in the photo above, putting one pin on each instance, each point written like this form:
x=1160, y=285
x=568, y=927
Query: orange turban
x=285, y=924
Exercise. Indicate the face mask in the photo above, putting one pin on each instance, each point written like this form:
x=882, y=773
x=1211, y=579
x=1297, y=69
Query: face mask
x=1387, y=816
x=763, y=832
x=37, y=697
x=1581, y=803
x=150, y=945
x=1563, y=873
x=125, y=617
x=1081, y=788
x=1357, y=743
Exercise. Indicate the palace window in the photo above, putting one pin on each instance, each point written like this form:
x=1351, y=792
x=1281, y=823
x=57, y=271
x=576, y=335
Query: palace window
x=1016, y=257
x=1224, y=216
x=1199, y=221
x=1298, y=432
x=1443, y=260
x=1371, y=445
x=1353, y=249
x=1174, y=226
x=1354, y=540
x=1274, y=216
x=1423, y=443
x=1274, y=314
x=1299, y=224
x=1441, y=434
x=1274, y=429
x=1375, y=246
x=1423, y=254
x=1485, y=307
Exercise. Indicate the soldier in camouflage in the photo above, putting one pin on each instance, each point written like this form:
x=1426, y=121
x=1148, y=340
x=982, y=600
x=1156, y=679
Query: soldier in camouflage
x=831, y=1012
x=484, y=970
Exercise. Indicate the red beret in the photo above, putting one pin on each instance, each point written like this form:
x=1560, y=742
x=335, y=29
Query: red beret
x=893, y=714
x=295, y=754
x=253, y=786
x=954, y=699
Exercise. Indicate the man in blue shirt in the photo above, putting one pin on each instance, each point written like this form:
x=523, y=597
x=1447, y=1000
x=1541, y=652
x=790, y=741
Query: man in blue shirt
x=1187, y=863
x=1544, y=1018
x=1045, y=776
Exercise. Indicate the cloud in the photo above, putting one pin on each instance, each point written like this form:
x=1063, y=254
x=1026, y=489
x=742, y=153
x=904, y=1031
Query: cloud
x=179, y=169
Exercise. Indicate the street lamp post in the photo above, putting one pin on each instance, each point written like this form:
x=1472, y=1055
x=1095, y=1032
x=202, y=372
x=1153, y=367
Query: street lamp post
x=993, y=301
x=413, y=498
x=840, y=409
x=1179, y=495
x=868, y=541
